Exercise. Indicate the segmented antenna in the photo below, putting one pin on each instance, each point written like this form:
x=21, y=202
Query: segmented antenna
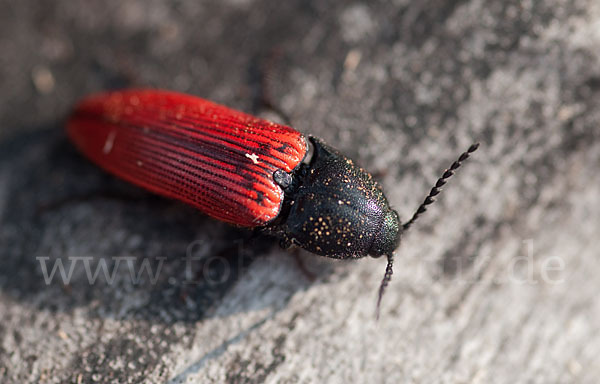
x=439, y=184
x=387, y=277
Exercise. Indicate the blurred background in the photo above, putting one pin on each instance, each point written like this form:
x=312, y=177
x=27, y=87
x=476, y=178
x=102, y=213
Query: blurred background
x=497, y=283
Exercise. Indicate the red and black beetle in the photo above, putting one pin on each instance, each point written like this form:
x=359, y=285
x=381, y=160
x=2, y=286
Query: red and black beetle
x=244, y=170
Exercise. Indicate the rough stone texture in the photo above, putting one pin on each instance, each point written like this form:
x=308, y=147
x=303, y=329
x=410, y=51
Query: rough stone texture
x=497, y=283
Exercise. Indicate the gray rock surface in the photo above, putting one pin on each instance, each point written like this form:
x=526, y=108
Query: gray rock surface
x=496, y=284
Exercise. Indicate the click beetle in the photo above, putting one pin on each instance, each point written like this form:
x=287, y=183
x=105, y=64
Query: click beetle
x=245, y=171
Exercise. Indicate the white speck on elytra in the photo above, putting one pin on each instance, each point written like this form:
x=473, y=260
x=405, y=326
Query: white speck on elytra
x=139, y=163
x=253, y=157
x=109, y=143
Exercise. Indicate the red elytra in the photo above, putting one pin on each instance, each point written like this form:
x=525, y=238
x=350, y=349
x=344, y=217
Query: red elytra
x=183, y=147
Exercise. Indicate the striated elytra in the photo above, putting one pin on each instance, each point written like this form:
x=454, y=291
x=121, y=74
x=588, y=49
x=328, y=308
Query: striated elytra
x=244, y=170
